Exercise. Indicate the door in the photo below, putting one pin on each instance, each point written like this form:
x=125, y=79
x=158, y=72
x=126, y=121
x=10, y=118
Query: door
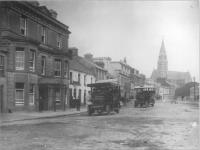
x=1, y=98
x=43, y=98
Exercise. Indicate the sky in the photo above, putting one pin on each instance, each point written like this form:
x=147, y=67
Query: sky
x=134, y=29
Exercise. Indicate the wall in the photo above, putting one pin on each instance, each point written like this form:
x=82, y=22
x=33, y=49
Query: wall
x=82, y=87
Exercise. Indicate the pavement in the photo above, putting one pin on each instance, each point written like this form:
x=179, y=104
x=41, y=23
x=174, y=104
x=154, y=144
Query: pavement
x=24, y=115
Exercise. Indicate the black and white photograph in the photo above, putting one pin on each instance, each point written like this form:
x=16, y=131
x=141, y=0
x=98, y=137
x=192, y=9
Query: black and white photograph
x=99, y=74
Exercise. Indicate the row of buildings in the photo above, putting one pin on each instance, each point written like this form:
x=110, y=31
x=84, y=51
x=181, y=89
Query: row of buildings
x=38, y=70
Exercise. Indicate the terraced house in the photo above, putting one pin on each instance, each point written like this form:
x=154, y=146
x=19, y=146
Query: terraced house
x=33, y=58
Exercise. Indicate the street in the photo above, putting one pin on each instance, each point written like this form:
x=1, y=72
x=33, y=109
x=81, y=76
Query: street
x=165, y=126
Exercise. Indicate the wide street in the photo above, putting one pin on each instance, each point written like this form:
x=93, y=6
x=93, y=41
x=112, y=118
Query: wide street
x=165, y=126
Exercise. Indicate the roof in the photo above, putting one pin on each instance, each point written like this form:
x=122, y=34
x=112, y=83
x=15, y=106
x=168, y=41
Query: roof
x=173, y=75
x=104, y=84
x=90, y=64
x=163, y=82
x=178, y=75
x=76, y=65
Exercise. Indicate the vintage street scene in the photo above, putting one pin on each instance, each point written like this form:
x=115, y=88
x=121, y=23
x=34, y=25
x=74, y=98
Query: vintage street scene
x=99, y=75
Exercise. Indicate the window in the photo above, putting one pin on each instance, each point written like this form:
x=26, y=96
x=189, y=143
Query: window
x=19, y=59
x=84, y=79
x=66, y=69
x=43, y=65
x=70, y=77
x=23, y=25
x=2, y=64
x=32, y=60
x=59, y=41
x=31, y=94
x=19, y=93
x=91, y=79
x=57, y=71
x=74, y=93
x=79, y=78
x=58, y=95
x=43, y=34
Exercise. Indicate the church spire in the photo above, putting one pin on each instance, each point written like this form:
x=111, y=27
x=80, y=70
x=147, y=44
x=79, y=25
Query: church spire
x=162, y=62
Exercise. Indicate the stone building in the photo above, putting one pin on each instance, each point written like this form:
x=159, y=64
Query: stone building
x=99, y=72
x=33, y=57
x=175, y=77
x=170, y=79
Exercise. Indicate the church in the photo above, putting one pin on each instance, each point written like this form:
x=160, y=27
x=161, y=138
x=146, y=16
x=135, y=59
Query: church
x=168, y=80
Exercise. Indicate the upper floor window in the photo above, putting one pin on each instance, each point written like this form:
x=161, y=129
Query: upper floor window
x=43, y=65
x=70, y=75
x=19, y=59
x=32, y=60
x=59, y=40
x=57, y=67
x=84, y=79
x=2, y=66
x=66, y=69
x=23, y=25
x=43, y=34
x=79, y=78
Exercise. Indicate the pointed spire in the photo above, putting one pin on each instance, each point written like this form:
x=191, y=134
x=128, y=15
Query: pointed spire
x=162, y=49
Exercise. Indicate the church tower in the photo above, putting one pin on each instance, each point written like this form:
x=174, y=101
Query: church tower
x=162, y=66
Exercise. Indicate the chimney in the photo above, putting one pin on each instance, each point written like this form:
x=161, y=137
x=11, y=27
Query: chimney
x=73, y=51
x=53, y=13
x=89, y=57
x=34, y=3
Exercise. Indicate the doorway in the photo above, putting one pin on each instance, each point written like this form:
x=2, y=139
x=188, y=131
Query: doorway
x=43, y=98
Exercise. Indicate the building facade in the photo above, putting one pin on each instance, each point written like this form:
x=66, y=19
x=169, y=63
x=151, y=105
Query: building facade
x=80, y=76
x=34, y=58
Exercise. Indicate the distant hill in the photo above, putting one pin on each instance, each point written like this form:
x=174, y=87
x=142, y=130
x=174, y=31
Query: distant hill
x=185, y=90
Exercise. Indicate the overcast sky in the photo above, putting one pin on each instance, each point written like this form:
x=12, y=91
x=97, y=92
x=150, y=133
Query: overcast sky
x=134, y=29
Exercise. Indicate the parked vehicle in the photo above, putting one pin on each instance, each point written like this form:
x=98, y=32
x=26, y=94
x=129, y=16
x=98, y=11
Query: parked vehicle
x=105, y=97
x=145, y=96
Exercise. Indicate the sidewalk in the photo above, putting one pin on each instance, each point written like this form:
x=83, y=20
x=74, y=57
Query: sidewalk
x=23, y=115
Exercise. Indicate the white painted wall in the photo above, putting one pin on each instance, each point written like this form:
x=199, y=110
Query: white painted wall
x=82, y=87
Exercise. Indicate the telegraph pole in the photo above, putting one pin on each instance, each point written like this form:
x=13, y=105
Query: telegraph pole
x=194, y=89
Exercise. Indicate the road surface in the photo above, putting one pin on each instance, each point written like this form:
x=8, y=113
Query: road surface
x=165, y=126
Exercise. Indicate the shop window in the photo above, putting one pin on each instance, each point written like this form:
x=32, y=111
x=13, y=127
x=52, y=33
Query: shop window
x=43, y=65
x=31, y=94
x=2, y=66
x=23, y=25
x=57, y=71
x=19, y=93
x=32, y=60
x=19, y=59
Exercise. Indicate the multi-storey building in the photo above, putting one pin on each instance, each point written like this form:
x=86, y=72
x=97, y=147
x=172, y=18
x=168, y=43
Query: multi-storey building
x=99, y=72
x=33, y=57
x=80, y=76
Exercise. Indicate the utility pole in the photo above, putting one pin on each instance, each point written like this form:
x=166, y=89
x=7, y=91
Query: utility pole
x=194, y=89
